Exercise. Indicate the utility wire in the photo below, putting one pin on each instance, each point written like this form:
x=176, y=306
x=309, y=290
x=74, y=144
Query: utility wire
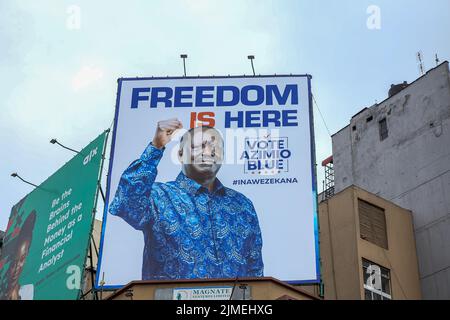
x=106, y=168
x=436, y=272
x=395, y=275
x=112, y=123
x=321, y=115
x=418, y=186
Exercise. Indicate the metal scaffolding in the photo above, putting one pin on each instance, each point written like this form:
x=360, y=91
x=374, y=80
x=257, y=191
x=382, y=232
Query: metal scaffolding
x=328, y=191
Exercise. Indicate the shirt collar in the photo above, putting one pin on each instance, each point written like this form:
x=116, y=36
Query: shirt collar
x=193, y=186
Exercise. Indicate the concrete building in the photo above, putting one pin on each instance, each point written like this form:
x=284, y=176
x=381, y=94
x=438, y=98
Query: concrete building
x=222, y=289
x=367, y=248
x=399, y=149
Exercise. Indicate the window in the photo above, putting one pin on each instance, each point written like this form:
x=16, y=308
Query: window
x=372, y=224
x=383, y=129
x=377, y=281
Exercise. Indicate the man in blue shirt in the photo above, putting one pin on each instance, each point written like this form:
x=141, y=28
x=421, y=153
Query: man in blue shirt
x=194, y=227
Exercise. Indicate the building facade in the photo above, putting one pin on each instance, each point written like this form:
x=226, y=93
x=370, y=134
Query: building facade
x=367, y=248
x=264, y=288
x=399, y=149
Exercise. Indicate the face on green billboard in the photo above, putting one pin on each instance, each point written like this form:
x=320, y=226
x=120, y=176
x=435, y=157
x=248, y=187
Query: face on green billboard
x=47, y=237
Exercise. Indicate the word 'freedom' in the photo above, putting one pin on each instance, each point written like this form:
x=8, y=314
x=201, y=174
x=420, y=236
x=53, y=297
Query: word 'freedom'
x=218, y=96
x=226, y=96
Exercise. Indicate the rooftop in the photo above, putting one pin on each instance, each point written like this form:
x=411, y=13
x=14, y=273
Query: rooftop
x=382, y=102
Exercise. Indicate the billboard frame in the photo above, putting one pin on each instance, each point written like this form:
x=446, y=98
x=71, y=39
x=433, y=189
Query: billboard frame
x=106, y=132
x=88, y=250
x=313, y=166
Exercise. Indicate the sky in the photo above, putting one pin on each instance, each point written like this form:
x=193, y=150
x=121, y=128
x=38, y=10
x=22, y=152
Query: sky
x=60, y=61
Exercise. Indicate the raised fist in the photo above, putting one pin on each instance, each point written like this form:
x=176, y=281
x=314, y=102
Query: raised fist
x=164, y=132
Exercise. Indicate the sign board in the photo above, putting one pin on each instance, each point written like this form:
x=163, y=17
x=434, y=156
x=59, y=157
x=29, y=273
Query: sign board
x=48, y=233
x=203, y=293
x=211, y=177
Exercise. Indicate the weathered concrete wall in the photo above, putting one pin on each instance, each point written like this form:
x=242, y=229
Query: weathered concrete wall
x=400, y=257
x=339, y=247
x=411, y=167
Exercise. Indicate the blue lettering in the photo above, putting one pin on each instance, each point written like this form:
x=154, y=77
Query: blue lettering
x=271, y=116
x=251, y=165
x=221, y=90
x=223, y=96
x=252, y=119
x=239, y=119
x=286, y=118
x=290, y=89
x=259, y=95
x=258, y=118
x=245, y=155
x=200, y=95
x=136, y=96
x=179, y=96
x=166, y=98
x=285, y=153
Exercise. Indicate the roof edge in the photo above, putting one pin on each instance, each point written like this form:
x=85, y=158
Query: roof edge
x=138, y=282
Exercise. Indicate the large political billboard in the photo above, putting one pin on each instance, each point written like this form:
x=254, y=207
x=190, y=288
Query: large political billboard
x=211, y=177
x=48, y=233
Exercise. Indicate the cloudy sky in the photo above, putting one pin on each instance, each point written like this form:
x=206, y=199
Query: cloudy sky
x=59, y=62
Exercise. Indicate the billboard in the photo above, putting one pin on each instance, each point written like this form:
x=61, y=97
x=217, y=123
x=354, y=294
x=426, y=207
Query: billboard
x=211, y=177
x=48, y=233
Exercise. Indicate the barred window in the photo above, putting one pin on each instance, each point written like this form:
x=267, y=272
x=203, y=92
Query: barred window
x=377, y=281
x=372, y=224
x=383, y=129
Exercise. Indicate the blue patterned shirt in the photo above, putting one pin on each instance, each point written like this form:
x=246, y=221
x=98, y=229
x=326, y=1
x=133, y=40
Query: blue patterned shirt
x=189, y=232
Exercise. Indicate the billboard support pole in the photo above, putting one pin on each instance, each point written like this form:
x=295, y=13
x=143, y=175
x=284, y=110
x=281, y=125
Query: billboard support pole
x=102, y=283
x=92, y=271
x=101, y=193
x=95, y=247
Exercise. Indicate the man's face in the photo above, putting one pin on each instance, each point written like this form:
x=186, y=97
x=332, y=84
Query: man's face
x=20, y=261
x=202, y=153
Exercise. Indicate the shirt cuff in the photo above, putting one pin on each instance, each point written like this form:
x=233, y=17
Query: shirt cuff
x=152, y=153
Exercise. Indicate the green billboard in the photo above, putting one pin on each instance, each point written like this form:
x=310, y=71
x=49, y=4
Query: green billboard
x=48, y=233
